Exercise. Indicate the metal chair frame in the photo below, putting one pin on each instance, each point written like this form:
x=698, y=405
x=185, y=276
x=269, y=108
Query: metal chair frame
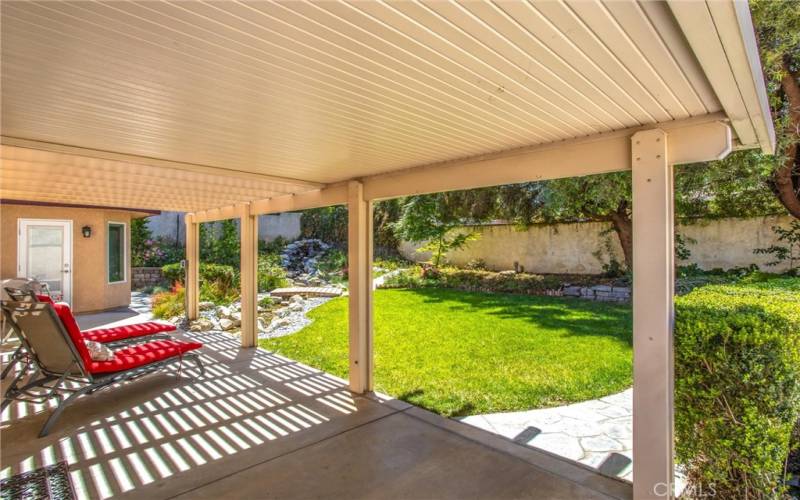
x=43, y=384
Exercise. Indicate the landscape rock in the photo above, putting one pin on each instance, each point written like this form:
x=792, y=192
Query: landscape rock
x=296, y=298
x=223, y=312
x=226, y=324
x=205, y=305
x=282, y=312
x=296, y=307
x=279, y=322
x=201, y=325
x=301, y=256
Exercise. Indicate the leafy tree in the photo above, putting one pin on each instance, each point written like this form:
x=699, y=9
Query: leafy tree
x=604, y=198
x=385, y=214
x=329, y=224
x=219, y=243
x=777, y=24
x=735, y=187
x=431, y=218
x=140, y=238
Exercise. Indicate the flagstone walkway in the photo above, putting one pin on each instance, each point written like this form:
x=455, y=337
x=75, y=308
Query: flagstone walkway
x=596, y=433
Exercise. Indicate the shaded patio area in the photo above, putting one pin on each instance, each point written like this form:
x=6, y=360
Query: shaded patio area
x=268, y=427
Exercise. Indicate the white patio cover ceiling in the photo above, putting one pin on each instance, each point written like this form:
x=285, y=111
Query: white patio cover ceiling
x=193, y=105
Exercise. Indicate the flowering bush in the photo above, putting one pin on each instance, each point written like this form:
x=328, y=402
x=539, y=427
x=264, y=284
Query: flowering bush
x=147, y=251
x=169, y=304
x=156, y=252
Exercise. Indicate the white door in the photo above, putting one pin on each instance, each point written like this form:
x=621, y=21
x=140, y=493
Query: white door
x=44, y=252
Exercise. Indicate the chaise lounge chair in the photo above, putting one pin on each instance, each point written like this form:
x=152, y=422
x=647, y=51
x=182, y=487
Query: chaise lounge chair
x=63, y=365
x=116, y=336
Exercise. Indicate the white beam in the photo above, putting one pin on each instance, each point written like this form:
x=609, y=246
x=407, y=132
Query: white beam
x=701, y=139
x=359, y=268
x=155, y=162
x=192, y=285
x=215, y=214
x=335, y=194
x=653, y=291
x=693, y=140
x=248, y=252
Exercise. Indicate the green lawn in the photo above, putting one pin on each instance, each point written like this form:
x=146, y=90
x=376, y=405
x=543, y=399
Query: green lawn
x=459, y=353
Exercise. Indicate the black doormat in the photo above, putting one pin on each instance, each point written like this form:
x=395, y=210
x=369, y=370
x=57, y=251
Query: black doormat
x=51, y=482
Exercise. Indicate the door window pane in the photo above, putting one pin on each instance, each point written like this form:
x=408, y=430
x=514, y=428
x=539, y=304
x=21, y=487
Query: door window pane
x=46, y=255
x=116, y=252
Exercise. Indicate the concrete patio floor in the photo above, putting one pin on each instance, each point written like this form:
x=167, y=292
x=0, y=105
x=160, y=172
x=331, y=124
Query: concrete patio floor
x=262, y=426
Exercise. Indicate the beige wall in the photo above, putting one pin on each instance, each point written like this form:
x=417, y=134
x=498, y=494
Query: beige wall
x=90, y=288
x=568, y=248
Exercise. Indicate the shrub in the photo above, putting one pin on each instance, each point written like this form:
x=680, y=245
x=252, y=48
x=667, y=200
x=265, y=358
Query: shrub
x=219, y=242
x=737, y=385
x=474, y=280
x=147, y=251
x=170, y=303
x=218, y=283
x=788, y=251
x=225, y=275
x=332, y=262
x=477, y=264
x=270, y=273
x=218, y=293
x=275, y=246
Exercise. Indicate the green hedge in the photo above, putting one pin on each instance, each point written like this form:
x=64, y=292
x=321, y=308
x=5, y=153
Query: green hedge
x=737, y=385
x=474, y=280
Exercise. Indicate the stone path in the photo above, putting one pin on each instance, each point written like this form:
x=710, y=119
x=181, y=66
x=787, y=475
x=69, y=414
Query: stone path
x=596, y=433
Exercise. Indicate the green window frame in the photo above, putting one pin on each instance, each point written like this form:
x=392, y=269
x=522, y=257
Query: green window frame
x=116, y=247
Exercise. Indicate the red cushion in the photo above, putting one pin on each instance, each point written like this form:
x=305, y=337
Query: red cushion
x=66, y=317
x=143, y=354
x=44, y=298
x=127, y=331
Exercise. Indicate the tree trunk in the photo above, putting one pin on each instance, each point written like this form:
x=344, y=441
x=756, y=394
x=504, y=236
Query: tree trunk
x=787, y=181
x=787, y=177
x=624, y=229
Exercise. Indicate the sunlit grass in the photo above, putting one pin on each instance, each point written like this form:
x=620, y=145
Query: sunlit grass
x=459, y=353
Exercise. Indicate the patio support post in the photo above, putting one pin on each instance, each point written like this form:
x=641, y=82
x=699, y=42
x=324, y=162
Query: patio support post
x=192, y=285
x=248, y=255
x=359, y=267
x=653, y=315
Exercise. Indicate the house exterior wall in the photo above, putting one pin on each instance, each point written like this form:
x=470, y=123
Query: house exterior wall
x=569, y=248
x=90, y=288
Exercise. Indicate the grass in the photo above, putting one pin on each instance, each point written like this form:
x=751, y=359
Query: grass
x=459, y=353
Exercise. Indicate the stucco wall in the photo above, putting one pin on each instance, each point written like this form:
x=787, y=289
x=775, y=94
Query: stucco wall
x=568, y=248
x=171, y=225
x=285, y=225
x=90, y=289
